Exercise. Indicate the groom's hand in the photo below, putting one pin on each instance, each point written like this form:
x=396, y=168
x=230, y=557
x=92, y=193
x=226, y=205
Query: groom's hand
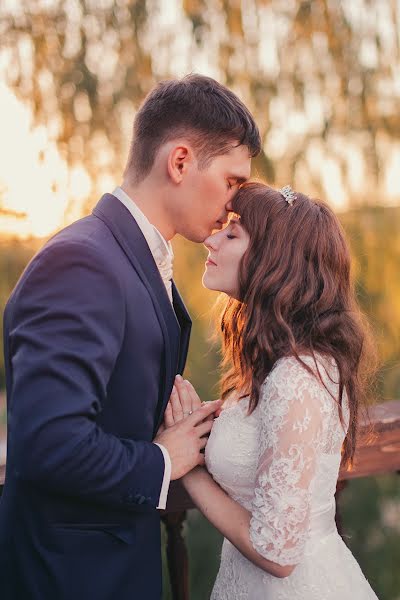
x=185, y=440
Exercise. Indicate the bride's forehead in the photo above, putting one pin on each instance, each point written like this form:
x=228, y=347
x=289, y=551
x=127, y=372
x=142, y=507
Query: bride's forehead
x=234, y=219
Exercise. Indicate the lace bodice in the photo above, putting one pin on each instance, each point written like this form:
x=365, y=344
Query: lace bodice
x=281, y=463
x=278, y=454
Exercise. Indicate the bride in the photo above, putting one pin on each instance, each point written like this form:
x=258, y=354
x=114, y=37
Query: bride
x=296, y=349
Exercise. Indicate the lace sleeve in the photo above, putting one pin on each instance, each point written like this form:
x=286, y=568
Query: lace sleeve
x=291, y=433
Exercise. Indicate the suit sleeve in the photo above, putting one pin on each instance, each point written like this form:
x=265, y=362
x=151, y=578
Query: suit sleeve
x=67, y=327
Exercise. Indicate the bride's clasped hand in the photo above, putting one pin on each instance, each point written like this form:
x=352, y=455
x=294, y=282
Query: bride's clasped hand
x=200, y=485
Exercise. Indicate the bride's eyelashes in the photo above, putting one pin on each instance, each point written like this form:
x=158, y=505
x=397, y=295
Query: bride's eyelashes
x=230, y=236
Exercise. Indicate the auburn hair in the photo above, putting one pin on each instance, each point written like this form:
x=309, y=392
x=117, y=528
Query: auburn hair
x=296, y=296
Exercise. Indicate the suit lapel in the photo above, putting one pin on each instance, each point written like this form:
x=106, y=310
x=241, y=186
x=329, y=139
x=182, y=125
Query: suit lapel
x=185, y=323
x=129, y=236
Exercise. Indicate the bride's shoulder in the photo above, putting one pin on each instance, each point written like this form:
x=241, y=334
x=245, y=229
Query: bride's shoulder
x=312, y=369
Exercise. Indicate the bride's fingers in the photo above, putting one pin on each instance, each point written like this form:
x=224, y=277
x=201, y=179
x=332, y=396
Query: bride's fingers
x=203, y=443
x=168, y=416
x=205, y=427
x=184, y=396
x=176, y=406
x=196, y=402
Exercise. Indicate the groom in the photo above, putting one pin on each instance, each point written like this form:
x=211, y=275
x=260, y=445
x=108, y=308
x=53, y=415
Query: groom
x=95, y=332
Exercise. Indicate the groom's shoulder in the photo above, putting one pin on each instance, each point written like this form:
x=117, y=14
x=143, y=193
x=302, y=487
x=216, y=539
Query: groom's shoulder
x=88, y=231
x=86, y=241
x=86, y=236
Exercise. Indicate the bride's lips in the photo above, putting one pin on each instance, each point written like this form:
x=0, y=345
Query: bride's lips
x=210, y=262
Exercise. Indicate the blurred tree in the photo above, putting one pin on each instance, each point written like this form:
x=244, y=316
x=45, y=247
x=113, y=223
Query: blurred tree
x=370, y=510
x=321, y=78
x=373, y=233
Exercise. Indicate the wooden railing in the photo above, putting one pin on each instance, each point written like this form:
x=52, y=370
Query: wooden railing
x=378, y=452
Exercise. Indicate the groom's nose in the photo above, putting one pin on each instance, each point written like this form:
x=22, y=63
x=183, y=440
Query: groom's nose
x=228, y=206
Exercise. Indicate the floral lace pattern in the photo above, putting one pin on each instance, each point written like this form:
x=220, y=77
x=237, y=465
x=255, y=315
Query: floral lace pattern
x=295, y=413
x=281, y=463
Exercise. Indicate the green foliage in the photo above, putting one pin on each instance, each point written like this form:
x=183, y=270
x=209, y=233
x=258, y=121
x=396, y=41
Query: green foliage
x=370, y=508
x=373, y=233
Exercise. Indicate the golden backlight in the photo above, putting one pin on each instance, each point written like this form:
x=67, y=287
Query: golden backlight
x=40, y=194
x=35, y=183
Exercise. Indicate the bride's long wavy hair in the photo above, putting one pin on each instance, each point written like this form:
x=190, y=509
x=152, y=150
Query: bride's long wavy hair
x=295, y=296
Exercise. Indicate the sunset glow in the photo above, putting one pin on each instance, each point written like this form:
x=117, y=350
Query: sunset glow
x=39, y=194
x=33, y=177
x=35, y=184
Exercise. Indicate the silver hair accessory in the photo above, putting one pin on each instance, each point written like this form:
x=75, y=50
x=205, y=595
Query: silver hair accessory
x=288, y=194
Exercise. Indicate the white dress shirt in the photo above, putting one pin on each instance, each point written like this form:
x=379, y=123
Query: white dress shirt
x=163, y=257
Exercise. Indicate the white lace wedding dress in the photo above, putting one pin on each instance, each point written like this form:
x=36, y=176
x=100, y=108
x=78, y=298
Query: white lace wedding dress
x=281, y=463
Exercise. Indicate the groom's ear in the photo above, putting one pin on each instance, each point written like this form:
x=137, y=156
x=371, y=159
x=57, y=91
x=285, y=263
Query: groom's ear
x=180, y=159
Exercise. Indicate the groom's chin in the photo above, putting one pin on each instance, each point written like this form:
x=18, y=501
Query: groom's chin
x=196, y=236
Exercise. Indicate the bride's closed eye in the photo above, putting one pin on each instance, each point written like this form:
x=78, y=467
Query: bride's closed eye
x=230, y=236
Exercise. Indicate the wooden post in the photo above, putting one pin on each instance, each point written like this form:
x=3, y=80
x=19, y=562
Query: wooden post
x=178, y=564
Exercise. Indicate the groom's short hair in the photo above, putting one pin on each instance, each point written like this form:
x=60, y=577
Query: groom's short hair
x=197, y=107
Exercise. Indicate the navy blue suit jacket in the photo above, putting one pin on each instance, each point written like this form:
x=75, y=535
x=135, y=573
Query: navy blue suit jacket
x=92, y=346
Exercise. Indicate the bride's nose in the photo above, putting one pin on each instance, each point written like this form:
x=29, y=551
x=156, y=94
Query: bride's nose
x=211, y=242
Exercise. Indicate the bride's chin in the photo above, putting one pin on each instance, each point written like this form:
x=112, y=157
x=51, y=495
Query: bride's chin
x=208, y=284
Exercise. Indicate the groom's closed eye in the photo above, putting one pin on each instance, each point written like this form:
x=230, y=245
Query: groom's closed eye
x=235, y=181
x=236, y=177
